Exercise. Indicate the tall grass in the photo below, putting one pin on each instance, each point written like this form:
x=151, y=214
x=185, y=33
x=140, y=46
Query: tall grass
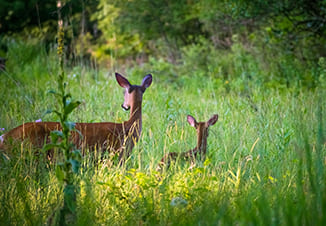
x=265, y=163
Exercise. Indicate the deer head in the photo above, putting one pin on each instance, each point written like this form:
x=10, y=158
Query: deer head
x=133, y=94
x=202, y=131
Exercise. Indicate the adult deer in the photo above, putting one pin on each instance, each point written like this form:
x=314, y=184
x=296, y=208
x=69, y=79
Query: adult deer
x=200, y=149
x=110, y=136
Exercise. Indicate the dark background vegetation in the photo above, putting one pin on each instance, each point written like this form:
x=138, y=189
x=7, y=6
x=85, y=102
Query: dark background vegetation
x=283, y=41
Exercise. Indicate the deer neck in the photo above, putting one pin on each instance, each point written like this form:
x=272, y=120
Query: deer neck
x=135, y=118
x=202, y=142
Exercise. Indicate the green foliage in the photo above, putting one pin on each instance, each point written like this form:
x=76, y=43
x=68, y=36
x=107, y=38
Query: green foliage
x=284, y=38
x=61, y=139
x=169, y=19
x=266, y=154
x=258, y=64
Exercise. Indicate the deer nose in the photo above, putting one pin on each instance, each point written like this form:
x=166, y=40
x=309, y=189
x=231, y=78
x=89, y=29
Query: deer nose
x=125, y=108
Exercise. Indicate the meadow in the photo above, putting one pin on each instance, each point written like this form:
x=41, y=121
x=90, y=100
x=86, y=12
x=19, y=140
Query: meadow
x=266, y=154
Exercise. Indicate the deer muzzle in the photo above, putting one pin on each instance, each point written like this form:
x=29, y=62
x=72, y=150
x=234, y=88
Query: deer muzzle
x=125, y=108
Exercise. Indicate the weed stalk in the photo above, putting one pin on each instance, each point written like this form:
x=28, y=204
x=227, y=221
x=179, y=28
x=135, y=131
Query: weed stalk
x=60, y=139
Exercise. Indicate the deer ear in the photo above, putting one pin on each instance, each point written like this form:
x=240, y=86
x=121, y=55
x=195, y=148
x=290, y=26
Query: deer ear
x=147, y=81
x=212, y=120
x=192, y=121
x=123, y=82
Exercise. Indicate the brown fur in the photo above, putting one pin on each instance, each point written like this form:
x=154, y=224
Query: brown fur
x=200, y=149
x=114, y=137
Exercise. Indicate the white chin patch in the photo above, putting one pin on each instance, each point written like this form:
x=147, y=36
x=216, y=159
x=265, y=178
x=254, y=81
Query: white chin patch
x=1, y=138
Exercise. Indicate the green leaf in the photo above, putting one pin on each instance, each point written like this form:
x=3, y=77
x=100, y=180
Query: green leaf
x=76, y=155
x=70, y=106
x=59, y=172
x=80, y=134
x=49, y=111
x=55, y=135
x=199, y=170
x=71, y=146
x=68, y=95
x=70, y=125
x=75, y=165
x=69, y=193
x=57, y=113
x=50, y=146
x=53, y=92
x=207, y=162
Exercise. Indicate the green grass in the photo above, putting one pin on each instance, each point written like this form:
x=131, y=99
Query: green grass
x=266, y=154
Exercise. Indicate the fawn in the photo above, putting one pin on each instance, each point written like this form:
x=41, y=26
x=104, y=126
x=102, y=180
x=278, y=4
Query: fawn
x=200, y=149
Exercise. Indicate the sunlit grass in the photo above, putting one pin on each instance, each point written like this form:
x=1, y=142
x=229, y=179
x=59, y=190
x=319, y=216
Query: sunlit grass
x=265, y=163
